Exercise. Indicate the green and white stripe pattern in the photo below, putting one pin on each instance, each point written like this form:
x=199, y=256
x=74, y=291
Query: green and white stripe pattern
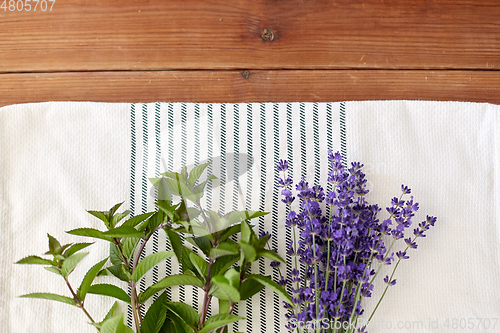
x=244, y=143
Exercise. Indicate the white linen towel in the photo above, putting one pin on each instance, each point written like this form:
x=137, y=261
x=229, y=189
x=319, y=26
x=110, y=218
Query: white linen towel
x=59, y=159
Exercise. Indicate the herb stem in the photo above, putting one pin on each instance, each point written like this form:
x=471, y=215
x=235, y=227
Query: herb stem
x=208, y=297
x=79, y=303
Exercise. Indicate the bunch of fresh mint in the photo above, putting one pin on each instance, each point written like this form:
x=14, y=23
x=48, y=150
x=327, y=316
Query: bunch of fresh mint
x=220, y=271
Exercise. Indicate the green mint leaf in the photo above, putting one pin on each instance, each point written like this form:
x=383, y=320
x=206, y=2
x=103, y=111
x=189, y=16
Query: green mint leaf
x=118, y=271
x=225, y=249
x=70, y=263
x=203, y=243
x=176, y=242
x=109, y=290
x=54, y=269
x=118, y=217
x=156, y=315
x=249, y=288
x=111, y=325
x=169, y=281
x=114, y=254
x=271, y=255
x=186, y=312
x=75, y=248
x=134, y=221
x=266, y=281
x=88, y=279
x=52, y=297
x=35, y=260
x=123, y=231
x=180, y=325
x=248, y=251
x=54, y=245
x=223, y=306
x=149, y=262
x=246, y=232
x=89, y=232
x=101, y=216
x=128, y=246
x=200, y=264
x=196, y=172
x=224, y=287
x=217, y=321
x=233, y=276
x=222, y=264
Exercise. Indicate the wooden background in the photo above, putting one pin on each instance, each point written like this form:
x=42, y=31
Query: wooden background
x=249, y=50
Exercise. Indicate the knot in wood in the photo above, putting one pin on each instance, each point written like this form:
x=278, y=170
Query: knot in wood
x=267, y=35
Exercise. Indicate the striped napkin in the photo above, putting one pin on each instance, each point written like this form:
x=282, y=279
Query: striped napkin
x=60, y=159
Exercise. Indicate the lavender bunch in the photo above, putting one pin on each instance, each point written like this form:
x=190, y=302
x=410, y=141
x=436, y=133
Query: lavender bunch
x=341, y=248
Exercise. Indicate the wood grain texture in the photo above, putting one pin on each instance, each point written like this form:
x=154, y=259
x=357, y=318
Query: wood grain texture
x=79, y=35
x=260, y=86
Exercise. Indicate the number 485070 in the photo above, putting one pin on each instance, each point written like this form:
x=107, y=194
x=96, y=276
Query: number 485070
x=27, y=5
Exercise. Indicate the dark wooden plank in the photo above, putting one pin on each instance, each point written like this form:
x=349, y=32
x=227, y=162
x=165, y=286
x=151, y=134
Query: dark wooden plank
x=260, y=86
x=79, y=35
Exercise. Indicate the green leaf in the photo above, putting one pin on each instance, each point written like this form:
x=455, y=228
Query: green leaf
x=35, y=260
x=54, y=269
x=156, y=315
x=196, y=172
x=109, y=315
x=203, y=243
x=164, y=192
x=200, y=264
x=224, y=249
x=184, y=311
x=134, y=221
x=109, y=290
x=88, y=279
x=114, y=254
x=176, y=242
x=248, y=251
x=266, y=281
x=224, y=286
x=52, y=297
x=149, y=262
x=169, y=325
x=223, y=306
x=233, y=276
x=70, y=263
x=75, y=248
x=249, y=288
x=217, y=321
x=180, y=325
x=114, y=209
x=226, y=233
x=118, y=217
x=123, y=231
x=222, y=264
x=271, y=255
x=118, y=271
x=54, y=245
x=234, y=217
x=115, y=325
x=89, y=232
x=245, y=232
x=128, y=246
x=101, y=216
x=172, y=280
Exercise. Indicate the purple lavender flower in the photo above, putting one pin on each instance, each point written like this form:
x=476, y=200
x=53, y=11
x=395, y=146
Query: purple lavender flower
x=338, y=250
x=282, y=165
x=390, y=283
